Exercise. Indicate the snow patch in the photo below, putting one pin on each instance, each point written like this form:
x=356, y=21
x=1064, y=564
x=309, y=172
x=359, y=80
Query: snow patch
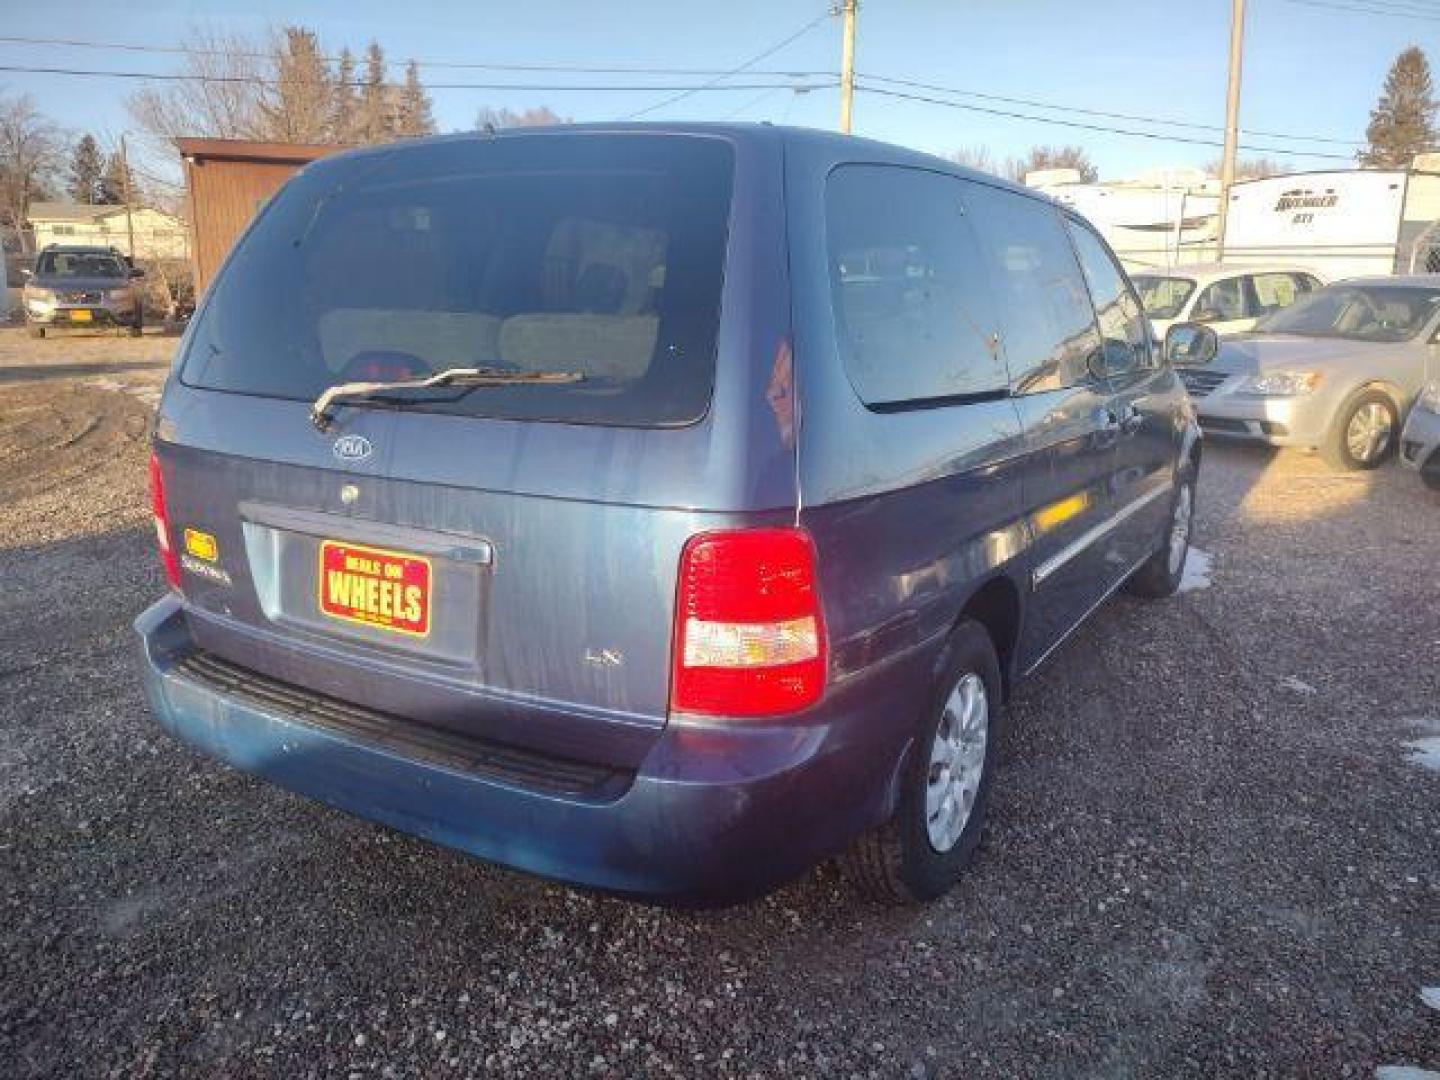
x=1425, y=753
x=1197, y=570
x=1405, y=1072
x=1298, y=685
x=1431, y=996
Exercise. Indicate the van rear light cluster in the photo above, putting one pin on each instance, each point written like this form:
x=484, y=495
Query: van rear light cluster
x=168, y=556
x=749, y=634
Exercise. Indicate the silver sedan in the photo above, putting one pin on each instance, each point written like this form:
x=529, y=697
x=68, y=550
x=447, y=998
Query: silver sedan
x=1336, y=372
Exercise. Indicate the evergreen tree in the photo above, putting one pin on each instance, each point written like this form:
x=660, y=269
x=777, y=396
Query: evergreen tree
x=375, y=121
x=112, y=186
x=345, y=114
x=1402, y=124
x=86, y=168
x=415, y=114
x=299, y=107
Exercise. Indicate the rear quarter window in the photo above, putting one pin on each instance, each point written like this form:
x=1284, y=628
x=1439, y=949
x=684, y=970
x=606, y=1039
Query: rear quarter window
x=597, y=254
x=914, y=315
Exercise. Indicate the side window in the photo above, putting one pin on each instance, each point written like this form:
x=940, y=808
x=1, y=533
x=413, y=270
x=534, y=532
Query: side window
x=1222, y=301
x=1122, y=321
x=1274, y=291
x=914, y=317
x=1305, y=283
x=1046, y=321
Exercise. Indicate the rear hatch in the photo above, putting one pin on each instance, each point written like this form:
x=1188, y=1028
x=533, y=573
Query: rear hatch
x=498, y=561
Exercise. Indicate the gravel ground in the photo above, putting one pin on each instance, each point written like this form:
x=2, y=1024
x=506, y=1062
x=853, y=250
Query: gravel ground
x=1211, y=850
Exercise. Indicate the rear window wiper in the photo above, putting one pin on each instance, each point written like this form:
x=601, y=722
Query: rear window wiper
x=322, y=413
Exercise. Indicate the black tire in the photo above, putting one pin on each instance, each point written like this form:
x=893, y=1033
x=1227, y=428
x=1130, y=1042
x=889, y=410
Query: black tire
x=1336, y=448
x=37, y=331
x=896, y=863
x=1160, y=575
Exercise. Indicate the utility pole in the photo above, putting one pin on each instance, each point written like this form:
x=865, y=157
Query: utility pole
x=1232, y=119
x=847, y=65
x=125, y=191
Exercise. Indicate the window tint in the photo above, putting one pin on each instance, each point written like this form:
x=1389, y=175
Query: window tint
x=601, y=255
x=913, y=312
x=1222, y=301
x=1121, y=319
x=1047, y=323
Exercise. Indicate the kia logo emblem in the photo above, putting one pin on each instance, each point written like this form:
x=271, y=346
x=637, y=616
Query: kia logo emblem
x=352, y=448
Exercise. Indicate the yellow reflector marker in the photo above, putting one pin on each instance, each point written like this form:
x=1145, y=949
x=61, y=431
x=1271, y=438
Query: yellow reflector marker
x=201, y=545
x=1057, y=513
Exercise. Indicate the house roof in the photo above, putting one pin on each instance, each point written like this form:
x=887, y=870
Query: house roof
x=67, y=211
x=71, y=211
x=202, y=150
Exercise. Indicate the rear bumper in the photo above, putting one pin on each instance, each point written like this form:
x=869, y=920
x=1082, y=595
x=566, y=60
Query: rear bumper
x=717, y=812
x=1420, y=445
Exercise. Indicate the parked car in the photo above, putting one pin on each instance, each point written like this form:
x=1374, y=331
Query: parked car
x=1336, y=372
x=1420, y=441
x=1230, y=299
x=78, y=286
x=657, y=508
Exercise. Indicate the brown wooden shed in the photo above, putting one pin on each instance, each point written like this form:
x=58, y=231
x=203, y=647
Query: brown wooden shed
x=226, y=182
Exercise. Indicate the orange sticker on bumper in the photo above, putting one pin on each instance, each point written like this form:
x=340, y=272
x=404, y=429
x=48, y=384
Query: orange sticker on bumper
x=373, y=587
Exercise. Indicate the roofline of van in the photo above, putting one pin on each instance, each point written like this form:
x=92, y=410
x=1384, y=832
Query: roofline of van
x=841, y=146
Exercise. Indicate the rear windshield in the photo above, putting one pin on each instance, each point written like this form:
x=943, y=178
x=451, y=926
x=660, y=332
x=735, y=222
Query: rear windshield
x=596, y=254
x=1162, y=297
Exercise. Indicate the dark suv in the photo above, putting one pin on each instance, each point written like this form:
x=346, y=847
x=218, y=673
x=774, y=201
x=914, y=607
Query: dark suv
x=82, y=287
x=658, y=508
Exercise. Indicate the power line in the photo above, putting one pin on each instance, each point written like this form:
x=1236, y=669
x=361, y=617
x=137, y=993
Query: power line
x=549, y=87
x=1353, y=8
x=713, y=83
x=578, y=69
x=1078, y=110
x=1155, y=136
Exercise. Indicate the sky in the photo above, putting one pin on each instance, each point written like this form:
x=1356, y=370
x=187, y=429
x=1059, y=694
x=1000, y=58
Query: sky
x=1311, y=68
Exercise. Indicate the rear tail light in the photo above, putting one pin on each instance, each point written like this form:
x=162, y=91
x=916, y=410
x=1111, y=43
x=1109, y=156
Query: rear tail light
x=749, y=635
x=162, y=523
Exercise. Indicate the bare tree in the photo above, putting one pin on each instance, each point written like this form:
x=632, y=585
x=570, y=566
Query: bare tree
x=32, y=156
x=535, y=116
x=298, y=106
x=221, y=98
x=979, y=158
x=1053, y=157
x=1256, y=168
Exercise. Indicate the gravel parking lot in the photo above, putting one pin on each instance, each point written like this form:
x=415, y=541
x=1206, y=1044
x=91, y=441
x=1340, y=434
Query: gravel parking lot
x=1215, y=845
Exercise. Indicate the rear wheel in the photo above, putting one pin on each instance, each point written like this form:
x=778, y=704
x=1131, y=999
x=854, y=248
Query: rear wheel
x=1160, y=575
x=37, y=331
x=920, y=852
x=1363, y=434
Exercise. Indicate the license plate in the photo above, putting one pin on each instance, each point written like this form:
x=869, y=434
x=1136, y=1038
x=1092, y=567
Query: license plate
x=388, y=590
x=81, y=315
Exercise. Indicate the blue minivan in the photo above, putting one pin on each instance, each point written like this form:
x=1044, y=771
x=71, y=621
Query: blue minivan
x=658, y=508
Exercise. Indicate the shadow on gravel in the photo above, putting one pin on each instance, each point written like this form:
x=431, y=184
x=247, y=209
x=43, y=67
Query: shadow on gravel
x=61, y=370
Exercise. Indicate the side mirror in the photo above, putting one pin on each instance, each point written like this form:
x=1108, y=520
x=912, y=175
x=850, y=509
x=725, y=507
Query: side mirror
x=1190, y=343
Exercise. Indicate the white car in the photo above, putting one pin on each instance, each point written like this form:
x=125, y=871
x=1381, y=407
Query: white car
x=1227, y=298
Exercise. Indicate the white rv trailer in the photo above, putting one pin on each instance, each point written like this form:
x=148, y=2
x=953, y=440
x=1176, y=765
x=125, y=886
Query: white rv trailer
x=1154, y=220
x=1345, y=223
